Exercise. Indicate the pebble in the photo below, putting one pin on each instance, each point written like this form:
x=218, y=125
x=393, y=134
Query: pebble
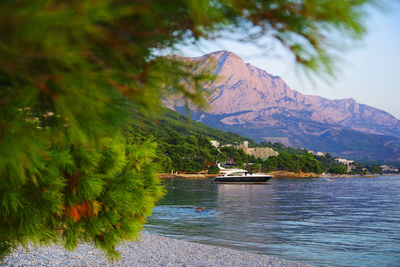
x=151, y=250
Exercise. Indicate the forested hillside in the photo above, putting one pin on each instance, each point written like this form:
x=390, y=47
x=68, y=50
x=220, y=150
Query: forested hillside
x=169, y=121
x=184, y=145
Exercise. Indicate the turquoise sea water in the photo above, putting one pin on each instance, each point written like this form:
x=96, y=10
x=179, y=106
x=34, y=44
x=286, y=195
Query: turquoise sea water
x=348, y=222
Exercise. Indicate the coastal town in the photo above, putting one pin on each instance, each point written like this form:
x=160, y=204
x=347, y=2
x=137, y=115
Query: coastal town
x=260, y=159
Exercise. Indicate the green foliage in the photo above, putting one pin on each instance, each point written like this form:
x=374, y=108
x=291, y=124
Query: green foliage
x=293, y=162
x=363, y=169
x=100, y=194
x=358, y=168
x=234, y=155
x=190, y=154
x=328, y=162
x=213, y=169
x=67, y=70
x=375, y=169
x=185, y=145
x=253, y=168
x=170, y=122
x=340, y=169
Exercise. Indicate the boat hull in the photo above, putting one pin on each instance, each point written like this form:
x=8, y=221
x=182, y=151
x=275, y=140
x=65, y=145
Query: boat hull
x=242, y=179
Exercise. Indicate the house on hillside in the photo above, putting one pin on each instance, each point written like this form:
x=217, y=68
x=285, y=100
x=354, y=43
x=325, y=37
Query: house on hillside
x=214, y=143
x=346, y=162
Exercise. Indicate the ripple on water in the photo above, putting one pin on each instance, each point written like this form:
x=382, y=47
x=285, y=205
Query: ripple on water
x=348, y=222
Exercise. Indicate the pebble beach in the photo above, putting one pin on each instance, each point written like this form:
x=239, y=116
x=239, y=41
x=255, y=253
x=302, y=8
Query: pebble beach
x=150, y=250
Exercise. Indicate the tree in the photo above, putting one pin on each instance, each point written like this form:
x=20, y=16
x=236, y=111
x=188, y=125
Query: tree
x=271, y=164
x=213, y=169
x=338, y=169
x=235, y=155
x=253, y=168
x=328, y=162
x=70, y=71
x=292, y=162
x=376, y=169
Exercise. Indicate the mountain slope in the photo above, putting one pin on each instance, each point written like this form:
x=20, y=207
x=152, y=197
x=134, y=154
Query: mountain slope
x=256, y=104
x=169, y=121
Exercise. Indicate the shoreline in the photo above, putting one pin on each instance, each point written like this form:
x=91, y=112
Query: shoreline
x=152, y=250
x=275, y=174
x=165, y=176
x=288, y=174
x=351, y=176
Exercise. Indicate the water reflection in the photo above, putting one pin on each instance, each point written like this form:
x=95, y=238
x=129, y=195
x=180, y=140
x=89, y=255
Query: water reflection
x=350, y=222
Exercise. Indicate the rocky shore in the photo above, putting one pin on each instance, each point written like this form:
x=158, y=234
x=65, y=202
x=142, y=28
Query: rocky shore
x=186, y=176
x=288, y=174
x=152, y=250
x=353, y=175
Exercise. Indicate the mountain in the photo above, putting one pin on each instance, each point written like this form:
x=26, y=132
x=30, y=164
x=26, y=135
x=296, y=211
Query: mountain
x=251, y=102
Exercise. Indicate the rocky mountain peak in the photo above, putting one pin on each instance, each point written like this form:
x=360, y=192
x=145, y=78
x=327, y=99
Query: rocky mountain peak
x=222, y=56
x=242, y=86
x=245, y=97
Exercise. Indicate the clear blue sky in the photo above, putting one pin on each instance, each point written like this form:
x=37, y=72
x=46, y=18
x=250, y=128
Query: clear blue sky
x=368, y=72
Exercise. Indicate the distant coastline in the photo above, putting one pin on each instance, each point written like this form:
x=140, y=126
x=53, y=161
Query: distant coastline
x=352, y=175
x=276, y=174
x=185, y=176
x=288, y=174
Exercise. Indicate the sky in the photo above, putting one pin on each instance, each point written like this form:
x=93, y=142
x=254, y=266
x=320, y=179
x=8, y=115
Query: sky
x=369, y=71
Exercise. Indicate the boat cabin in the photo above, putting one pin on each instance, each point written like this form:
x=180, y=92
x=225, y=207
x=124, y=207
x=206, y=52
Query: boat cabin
x=238, y=173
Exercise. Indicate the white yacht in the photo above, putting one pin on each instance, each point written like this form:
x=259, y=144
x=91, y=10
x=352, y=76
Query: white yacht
x=242, y=176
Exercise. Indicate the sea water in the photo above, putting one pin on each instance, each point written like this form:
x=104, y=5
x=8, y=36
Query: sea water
x=347, y=222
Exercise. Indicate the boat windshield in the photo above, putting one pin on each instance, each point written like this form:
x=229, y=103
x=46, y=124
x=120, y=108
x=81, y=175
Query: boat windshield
x=237, y=174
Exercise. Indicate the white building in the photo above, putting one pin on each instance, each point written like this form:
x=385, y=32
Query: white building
x=345, y=162
x=214, y=143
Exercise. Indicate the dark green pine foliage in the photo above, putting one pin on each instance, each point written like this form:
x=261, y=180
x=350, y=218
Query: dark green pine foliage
x=340, y=169
x=71, y=192
x=294, y=163
x=67, y=70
